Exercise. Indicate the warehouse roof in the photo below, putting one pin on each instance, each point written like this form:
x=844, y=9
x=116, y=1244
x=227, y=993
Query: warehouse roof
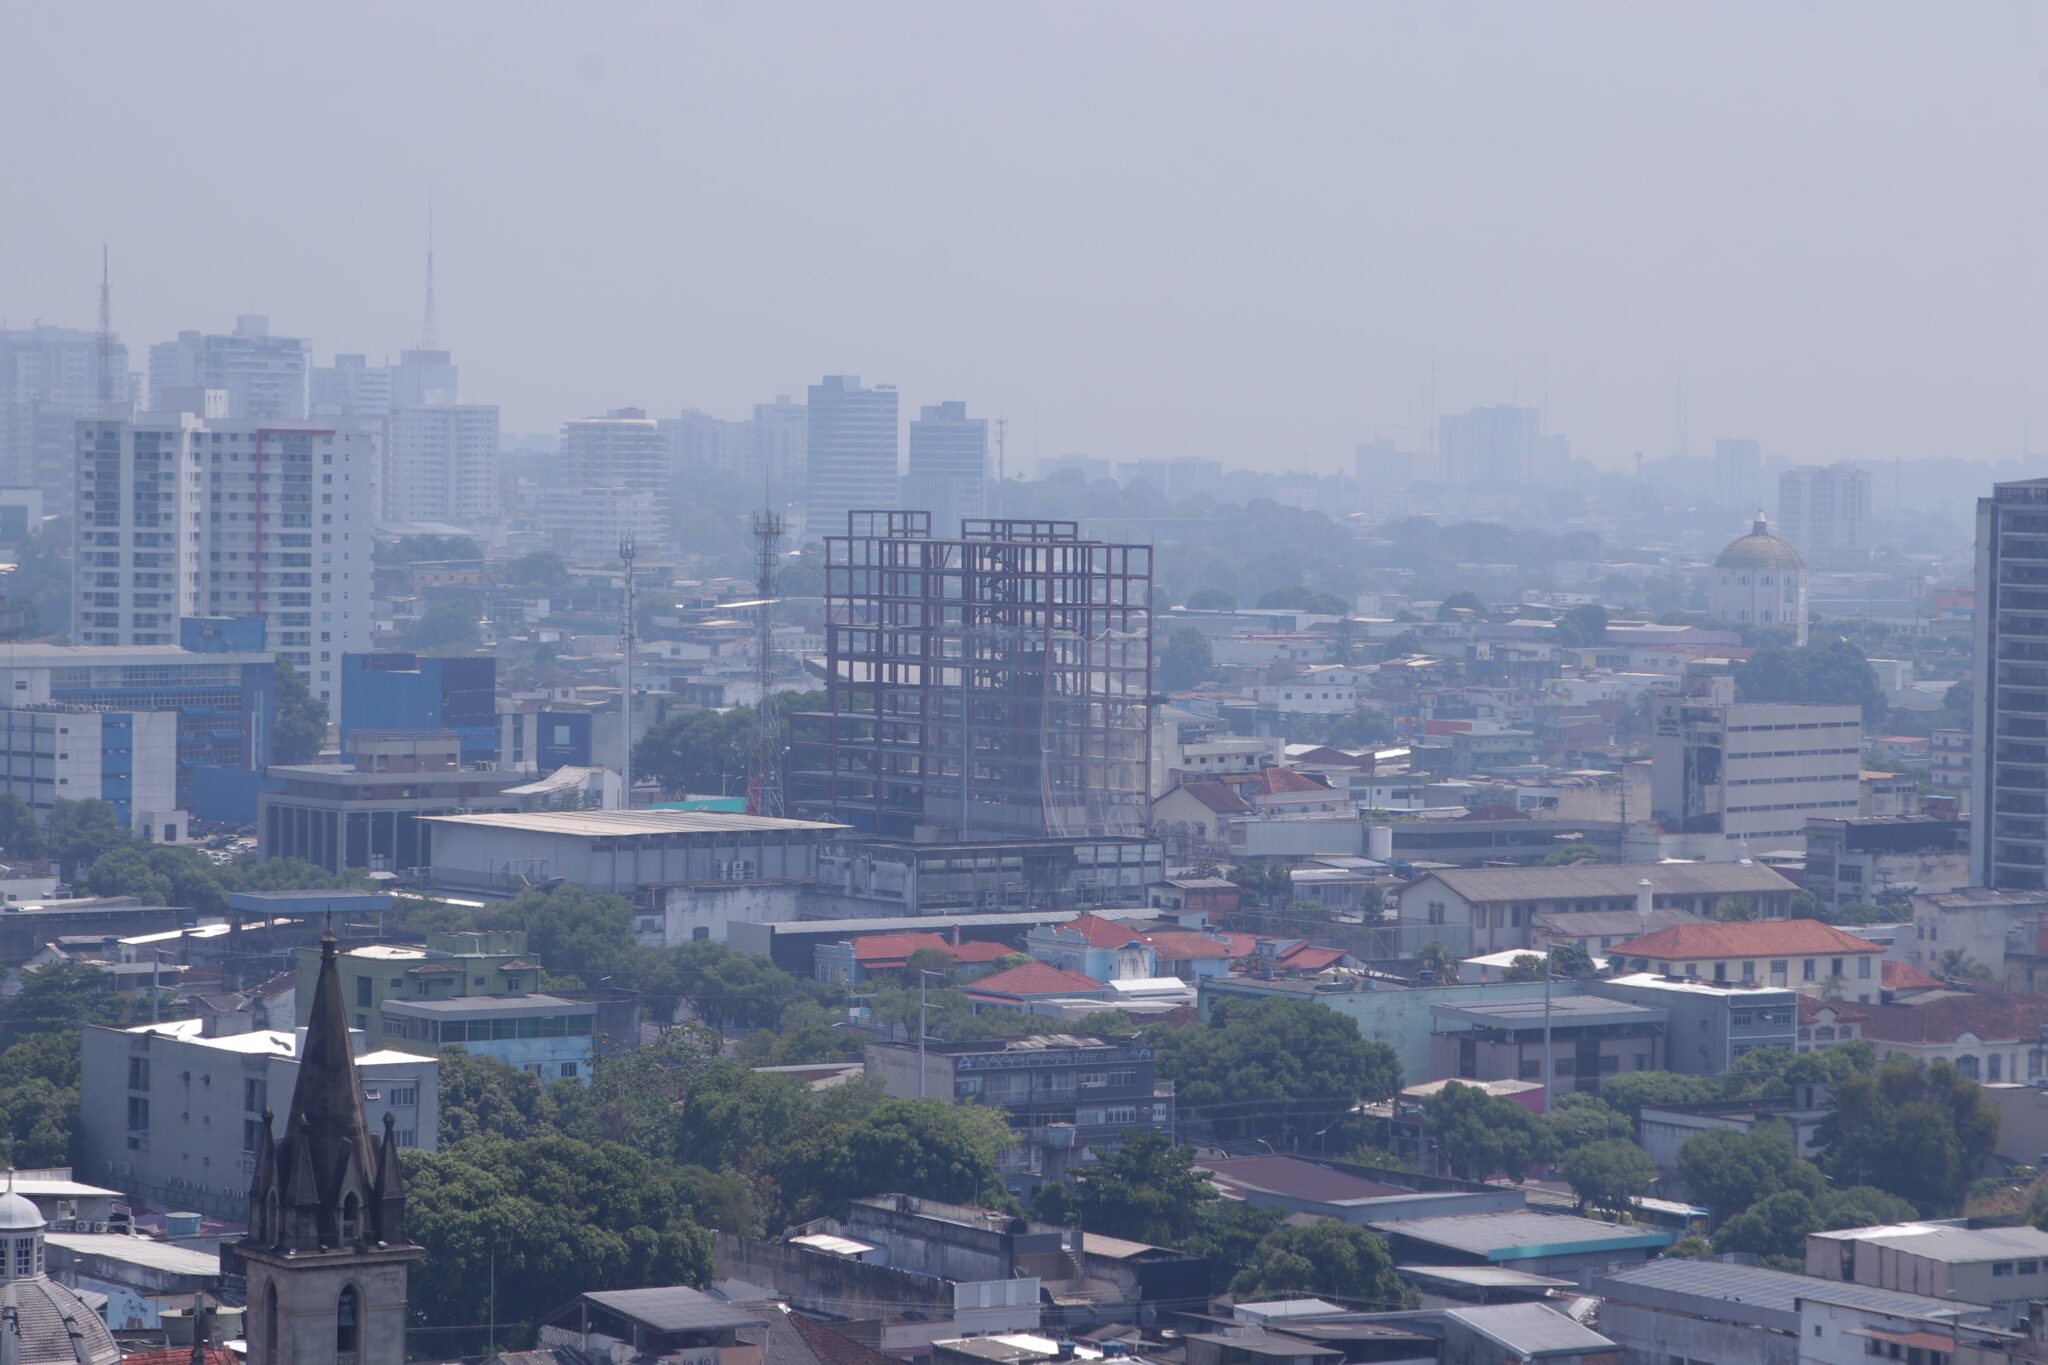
x=1607, y=880
x=1951, y=1242
x=1522, y=1235
x=1530, y=1329
x=1767, y=1290
x=1745, y=938
x=594, y=824
x=676, y=1308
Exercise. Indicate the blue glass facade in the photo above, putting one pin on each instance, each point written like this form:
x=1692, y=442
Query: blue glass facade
x=405, y=692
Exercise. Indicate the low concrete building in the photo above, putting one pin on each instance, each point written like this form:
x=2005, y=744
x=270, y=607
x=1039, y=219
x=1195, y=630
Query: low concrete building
x=1320, y=1191
x=883, y=877
x=370, y=813
x=1590, y=1037
x=1863, y=859
x=1802, y=954
x=1943, y=1259
x=173, y=1116
x=1663, y=1129
x=1508, y=1333
x=1710, y=1024
x=671, y=1322
x=1492, y=909
x=1541, y=1243
x=689, y=874
x=1704, y=1311
x=137, y=1274
x=1972, y=923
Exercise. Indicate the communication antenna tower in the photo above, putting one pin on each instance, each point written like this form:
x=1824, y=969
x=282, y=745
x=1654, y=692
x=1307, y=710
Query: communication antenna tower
x=429, y=332
x=626, y=553
x=106, y=338
x=764, y=782
x=1002, y=429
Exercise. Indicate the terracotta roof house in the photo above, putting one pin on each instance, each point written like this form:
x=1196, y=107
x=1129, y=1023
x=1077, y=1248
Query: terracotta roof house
x=1019, y=987
x=1803, y=954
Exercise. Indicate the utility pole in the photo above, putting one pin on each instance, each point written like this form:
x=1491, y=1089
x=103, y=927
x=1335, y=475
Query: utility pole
x=626, y=555
x=920, y=1032
x=764, y=783
x=1548, y=1077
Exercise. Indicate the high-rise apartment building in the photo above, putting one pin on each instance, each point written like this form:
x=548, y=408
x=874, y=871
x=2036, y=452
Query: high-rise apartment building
x=700, y=444
x=780, y=430
x=264, y=376
x=1382, y=467
x=1488, y=447
x=622, y=449
x=850, y=453
x=2009, y=699
x=188, y=515
x=350, y=387
x=1824, y=510
x=49, y=378
x=443, y=465
x=1739, y=473
x=1726, y=774
x=948, y=466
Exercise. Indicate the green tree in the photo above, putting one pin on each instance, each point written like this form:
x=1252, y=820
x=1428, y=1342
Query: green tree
x=1144, y=1190
x=1730, y=908
x=444, y=628
x=1631, y=1090
x=697, y=751
x=300, y=727
x=1581, y=626
x=20, y=835
x=1568, y=959
x=1570, y=853
x=542, y=1221
x=1917, y=1130
x=1212, y=599
x=731, y=1110
x=1434, y=957
x=1525, y=967
x=1329, y=1259
x=427, y=549
x=483, y=1097
x=1727, y=1171
x=1825, y=672
x=1578, y=1119
x=1186, y=659
x=77, y=832
x=1482, y=1135
x=1609, y=1174
x=930, y=1147
x=539, y=570
x=1775, y=1228
x=1448, y=609
x=1280, y=1069
x=60, y=997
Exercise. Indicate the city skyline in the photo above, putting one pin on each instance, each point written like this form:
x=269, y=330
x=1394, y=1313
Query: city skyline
x=1118, y=262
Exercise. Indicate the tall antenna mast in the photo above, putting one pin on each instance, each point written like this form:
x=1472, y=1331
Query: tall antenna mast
x=1002, y=427
x=626, y=553
x=429, y=337
x=764, y=782
x=106, y=338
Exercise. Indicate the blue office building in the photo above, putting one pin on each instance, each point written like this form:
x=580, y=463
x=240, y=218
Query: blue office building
x=393, y=691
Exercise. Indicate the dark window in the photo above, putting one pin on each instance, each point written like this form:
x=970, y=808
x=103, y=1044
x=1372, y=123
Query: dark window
x=346, y=1311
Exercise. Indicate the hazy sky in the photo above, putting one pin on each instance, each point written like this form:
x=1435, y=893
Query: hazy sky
x=1240, y=230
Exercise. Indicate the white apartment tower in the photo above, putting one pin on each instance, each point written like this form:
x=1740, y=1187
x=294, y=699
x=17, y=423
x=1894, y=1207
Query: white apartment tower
x=1725, y=775
x=623, y=449
x=264, y=376
x=186, y=515
x=850, y=458
x=443, y=465
x=1824, y=510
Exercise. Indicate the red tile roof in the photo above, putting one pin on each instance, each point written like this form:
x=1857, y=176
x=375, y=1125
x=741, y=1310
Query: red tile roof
x=870, y=949
x=1307, y=957
x=1216, y=796
x=1745, y=938
x=978, y=952
x=1904, y=976
x=1182, y=946
x=1277, y=781
x=1994, y=1016
x=1100, y=932
x=1035, y=978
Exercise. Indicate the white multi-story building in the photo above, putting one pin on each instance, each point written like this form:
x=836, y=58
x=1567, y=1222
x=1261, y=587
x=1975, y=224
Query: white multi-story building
x=779, y=431
x=49, y=378
x=1725, y=775
x=850, y=453
x=181, y=515
x=443, y=465
x=588, y=523
x=51, y=752
x=948, y=474
x=1824, y=510
x=351, y=387
x=264, y=376
x=173, y=1116
x=623, y=448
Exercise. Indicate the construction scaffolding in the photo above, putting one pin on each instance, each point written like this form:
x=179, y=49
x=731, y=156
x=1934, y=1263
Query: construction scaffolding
x=996, y=685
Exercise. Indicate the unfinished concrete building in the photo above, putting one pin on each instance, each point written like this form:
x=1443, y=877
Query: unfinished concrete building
x=992, y=685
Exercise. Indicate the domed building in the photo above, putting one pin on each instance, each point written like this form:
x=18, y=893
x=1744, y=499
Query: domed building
x=1759, y=580
x=41, y=1322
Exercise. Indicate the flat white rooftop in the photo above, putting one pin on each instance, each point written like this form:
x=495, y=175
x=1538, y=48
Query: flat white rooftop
x=620, y=823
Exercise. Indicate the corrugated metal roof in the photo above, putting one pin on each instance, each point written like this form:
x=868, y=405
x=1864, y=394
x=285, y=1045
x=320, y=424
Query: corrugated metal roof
x=1488, y=884
x=595, y=824
x=1750, y=1287
x=1530, y=1329
x=1523, y=1236
x=676, y=1308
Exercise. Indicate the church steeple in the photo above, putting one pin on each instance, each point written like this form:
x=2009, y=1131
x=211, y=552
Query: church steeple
x=326, y=1251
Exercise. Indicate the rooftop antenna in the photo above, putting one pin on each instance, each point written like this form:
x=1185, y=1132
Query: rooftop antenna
x=626, y=555
x=1002, y=427
x=764, y=783
x=429, y=333
x=106, y=337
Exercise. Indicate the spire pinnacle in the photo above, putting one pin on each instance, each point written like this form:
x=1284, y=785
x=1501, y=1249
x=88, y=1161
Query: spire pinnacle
x=429, y=340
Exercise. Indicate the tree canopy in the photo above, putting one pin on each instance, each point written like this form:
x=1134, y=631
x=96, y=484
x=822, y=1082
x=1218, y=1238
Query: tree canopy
x=1918, y=1130
x=1281, y=1069
x=1186, y=659
x=1482, y=1135
x=1326, y=1259
x=1824, y=672
x=300, y=727
x=1610, y=1173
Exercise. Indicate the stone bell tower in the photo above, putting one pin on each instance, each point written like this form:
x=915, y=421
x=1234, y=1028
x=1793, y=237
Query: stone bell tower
x=326, y=1251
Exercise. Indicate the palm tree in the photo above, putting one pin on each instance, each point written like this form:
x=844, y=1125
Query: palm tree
x=1434, y=957
x=1955, y=964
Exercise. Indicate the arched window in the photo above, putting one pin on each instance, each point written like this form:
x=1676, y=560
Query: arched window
x=1968, y=1066
x=270, y=1325
x=351, y=1218
x=347, y=1310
